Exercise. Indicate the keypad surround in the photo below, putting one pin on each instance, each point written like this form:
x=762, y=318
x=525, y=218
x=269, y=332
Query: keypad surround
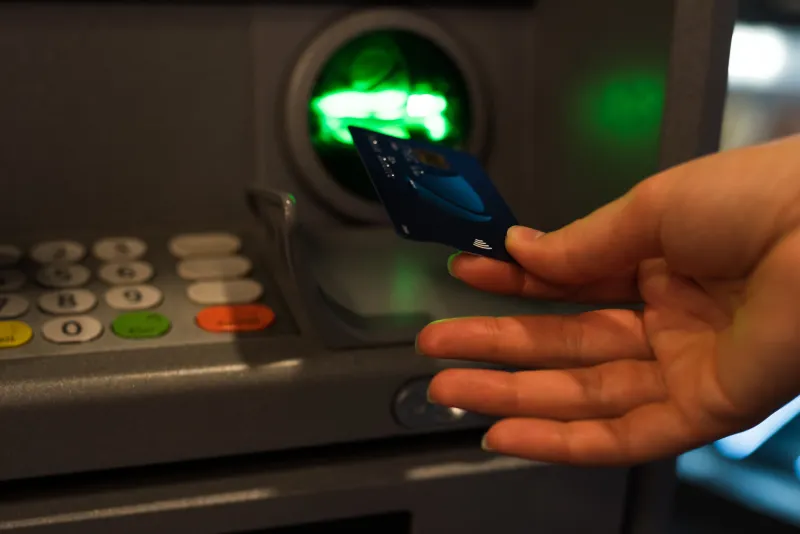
x=72, y=307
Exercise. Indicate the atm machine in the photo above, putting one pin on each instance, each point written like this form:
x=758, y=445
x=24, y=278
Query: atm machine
x=206, y=322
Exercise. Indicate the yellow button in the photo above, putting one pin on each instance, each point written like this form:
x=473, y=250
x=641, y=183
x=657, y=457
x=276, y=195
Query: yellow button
x=14, y=334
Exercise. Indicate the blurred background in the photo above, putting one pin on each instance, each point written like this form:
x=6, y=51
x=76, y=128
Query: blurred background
x=751, y=482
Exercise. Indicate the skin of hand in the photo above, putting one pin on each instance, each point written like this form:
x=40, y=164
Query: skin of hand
x=712, y=249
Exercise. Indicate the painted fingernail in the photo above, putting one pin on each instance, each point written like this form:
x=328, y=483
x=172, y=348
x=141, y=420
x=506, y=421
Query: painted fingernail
x=450, y=261
x=428, y=397
x=523, y=234
x=485, y=445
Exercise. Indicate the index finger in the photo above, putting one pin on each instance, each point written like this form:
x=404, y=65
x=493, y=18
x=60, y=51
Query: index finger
x=504, y=278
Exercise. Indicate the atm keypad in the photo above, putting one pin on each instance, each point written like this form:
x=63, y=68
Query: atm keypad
x=208, y=245
x=67, y=302
x=63, y=276
x=13, y=306
x=11, y=280
x=119, y=249
x=133, y=272
x=218, y=293
x=223, y=268
x=73, y=329
x=14, y=334
x=134, y=298
x=141, y=325
x=123, y=290
x=58, y=252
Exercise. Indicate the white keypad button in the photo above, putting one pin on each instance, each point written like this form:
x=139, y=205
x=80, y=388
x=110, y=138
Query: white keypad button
x=225, y=292
x=131, y=298
x=74, y=329
x=214, y=268
x=13, y=306
x=11, y=280
x=119, y=249
x=9, y=255
x=132, y=272
x=58, y=252
x=210, y=244
x=64, y=276
x=68, y=302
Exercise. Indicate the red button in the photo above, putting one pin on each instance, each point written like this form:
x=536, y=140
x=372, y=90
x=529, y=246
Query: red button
x=240, y=318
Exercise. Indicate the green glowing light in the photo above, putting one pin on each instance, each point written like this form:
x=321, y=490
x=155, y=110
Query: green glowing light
x=408, y=284
x=394, y=82
x=624, y=108
x=392, y=112
x=615, y=118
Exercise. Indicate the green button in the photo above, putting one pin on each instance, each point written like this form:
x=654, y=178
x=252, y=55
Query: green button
x=140, y=325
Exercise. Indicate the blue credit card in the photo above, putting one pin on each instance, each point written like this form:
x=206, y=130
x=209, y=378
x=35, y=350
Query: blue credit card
x=434, y=193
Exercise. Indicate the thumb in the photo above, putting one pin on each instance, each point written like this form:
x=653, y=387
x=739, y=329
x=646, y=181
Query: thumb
x=608, y=242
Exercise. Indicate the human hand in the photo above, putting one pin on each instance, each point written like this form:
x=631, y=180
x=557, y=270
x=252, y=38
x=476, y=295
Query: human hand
x=712, y=248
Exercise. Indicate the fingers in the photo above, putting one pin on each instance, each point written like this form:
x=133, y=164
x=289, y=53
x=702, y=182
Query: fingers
x=610, y=241
x=680, y=304
x=649, y=432
x=759, y=367
x=504, y=278
x=608, y=390
x=539, y=341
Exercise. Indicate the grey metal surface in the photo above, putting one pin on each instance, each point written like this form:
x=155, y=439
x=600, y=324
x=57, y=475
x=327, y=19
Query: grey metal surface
x=698, y=79
x=455, y=490
x=127, y=117
x=123, y=408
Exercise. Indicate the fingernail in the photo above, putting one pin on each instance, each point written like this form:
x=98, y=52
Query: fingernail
x=485, y=445
x=428, y=397
x=450, y=261
x=523, y=234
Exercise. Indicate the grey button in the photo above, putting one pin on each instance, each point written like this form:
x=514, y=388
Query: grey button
x=73, y=329
x=119, y=249
x=206, y=244
x=225, y=292
x=131, y=298
x=63, y=276
x=68, y=302
x=9, y=255
x=13, y=306
x=412, y=409
x=132, y=272
x=58, y=252
x=11, y=280
x=223, y=268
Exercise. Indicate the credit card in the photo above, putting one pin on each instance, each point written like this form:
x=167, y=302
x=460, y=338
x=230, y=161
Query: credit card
x=434, y=193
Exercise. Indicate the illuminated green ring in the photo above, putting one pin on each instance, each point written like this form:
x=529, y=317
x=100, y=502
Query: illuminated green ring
x=304, y=78
x=369, y=83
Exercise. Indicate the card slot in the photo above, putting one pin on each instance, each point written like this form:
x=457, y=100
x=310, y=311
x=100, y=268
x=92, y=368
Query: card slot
x=354, y=288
